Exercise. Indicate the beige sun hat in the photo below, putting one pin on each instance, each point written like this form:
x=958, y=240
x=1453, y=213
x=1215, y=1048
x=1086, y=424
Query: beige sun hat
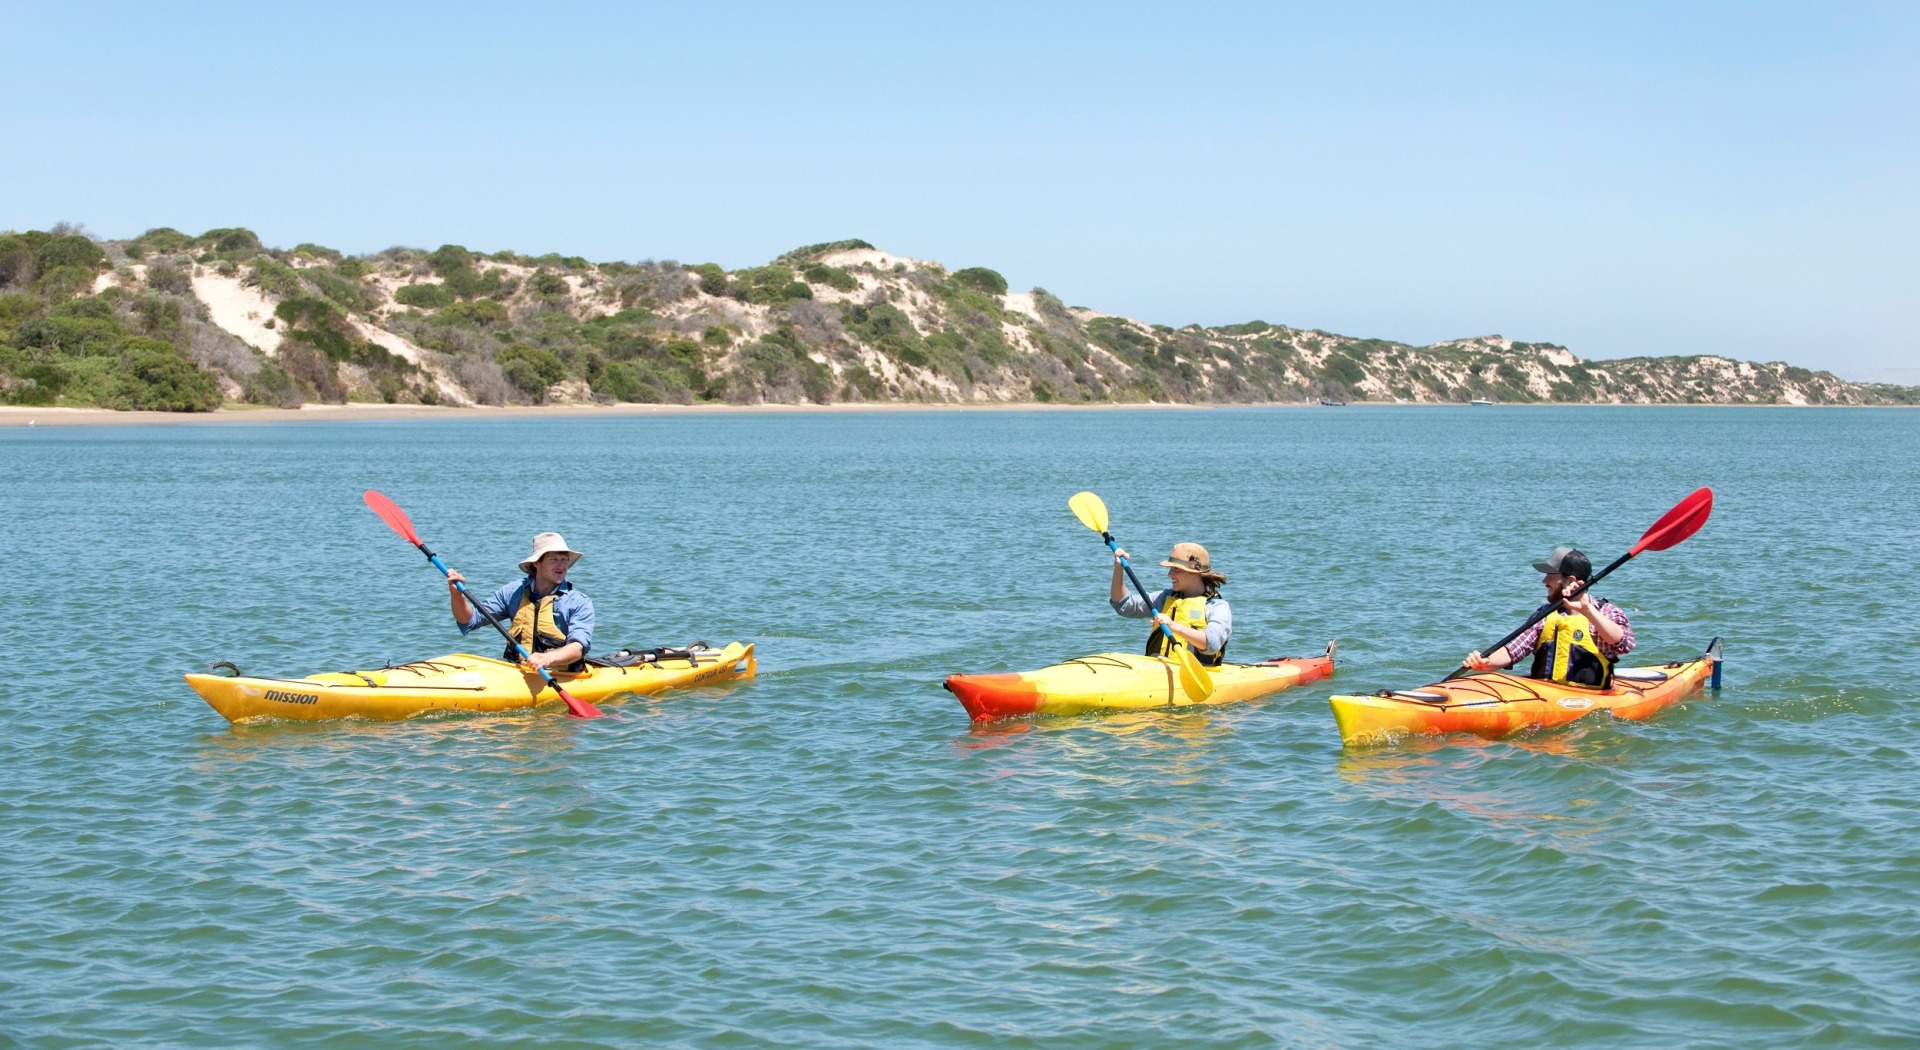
x=1193, y=558
x=546, y=543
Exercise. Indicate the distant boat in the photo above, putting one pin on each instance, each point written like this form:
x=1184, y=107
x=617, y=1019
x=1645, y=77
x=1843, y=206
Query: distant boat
x=1330, y=401
x=1479, y=401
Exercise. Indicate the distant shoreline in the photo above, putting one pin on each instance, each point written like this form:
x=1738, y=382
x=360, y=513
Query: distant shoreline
x=21, y=416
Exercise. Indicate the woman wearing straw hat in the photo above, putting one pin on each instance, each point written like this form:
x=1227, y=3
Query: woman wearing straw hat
x=1192, y=607
x=549, y=618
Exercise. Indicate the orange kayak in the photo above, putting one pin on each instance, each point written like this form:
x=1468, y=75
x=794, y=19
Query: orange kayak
x=1494, y=704
x=1123, y=682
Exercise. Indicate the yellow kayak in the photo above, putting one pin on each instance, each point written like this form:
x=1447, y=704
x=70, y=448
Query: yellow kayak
x=1123, y=682
x=461, y=682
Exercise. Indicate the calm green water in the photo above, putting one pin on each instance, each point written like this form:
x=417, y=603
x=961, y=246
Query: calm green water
x=831, y=856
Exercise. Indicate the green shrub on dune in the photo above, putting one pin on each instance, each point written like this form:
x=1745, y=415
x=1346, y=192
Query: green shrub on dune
x=1343, y=369
x=15, y=307
x=154, y=376
x=64, y=282
x=57, y=335
x=768, y=286
x=448, y=258
x=888, y=329
x=165, y=276
x=831, y=276
x=457, y=269
x=16, y=260
x=711, y=278
x=274, y=278
x=161, y=240
x=235, y=244
x=799, y=256
x=36, y=384
x=777, y=368
x=480, y=313
x=72, y=251
x=423, y=296
x=981, y=279
x=470, y=284
x=532, y=369
x=271, y=385
x=319, y=324
x=621, y=381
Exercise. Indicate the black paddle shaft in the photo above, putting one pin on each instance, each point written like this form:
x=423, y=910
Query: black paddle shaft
x=1127, y=564
x=475, y=605
x=1541, y=613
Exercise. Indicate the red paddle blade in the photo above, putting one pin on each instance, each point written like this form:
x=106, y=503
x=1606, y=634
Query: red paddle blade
x=395, y=518
x=577, y=707
x=1677, y=524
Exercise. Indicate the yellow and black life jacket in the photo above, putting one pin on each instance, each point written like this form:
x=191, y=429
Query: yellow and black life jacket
x=534, y=627
x=1187, y=612
x=1569, y=653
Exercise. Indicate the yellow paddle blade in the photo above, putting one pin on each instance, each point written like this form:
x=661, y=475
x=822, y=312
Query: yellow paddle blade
x=1090, y=510
x=1195, y=679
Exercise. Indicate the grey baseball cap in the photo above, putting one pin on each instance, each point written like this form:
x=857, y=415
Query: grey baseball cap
x=1567, y=561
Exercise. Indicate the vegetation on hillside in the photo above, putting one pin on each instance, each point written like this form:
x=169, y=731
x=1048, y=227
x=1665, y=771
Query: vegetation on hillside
x=139, y=324
x=62, y=344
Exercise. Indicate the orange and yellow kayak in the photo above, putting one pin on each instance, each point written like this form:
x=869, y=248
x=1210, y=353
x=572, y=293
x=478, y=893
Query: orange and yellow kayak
x=1494, y=704
x=461, y=682
x=1123, y=682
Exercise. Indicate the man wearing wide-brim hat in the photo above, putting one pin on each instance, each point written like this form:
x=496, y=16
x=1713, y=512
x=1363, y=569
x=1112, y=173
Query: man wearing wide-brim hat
x=543, y=611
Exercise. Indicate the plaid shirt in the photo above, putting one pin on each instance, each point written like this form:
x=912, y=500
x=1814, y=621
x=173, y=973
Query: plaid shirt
x=1524, y=645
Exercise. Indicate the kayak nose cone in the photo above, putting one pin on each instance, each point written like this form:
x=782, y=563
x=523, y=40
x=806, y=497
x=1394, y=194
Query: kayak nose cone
x=991, y=697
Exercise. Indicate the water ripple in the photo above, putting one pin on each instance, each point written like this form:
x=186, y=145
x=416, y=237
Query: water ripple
x=831, y=855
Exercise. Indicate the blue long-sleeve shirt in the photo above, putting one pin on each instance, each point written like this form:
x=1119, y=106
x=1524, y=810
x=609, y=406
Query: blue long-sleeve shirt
x=1219, y=615
x=572, y=611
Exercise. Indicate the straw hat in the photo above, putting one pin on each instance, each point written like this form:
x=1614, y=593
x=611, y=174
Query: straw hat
x=544, y=544
x=1193, y=558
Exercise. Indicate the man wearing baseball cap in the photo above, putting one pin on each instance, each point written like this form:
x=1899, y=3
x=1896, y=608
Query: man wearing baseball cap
x=1579, y=641
x=548, y=617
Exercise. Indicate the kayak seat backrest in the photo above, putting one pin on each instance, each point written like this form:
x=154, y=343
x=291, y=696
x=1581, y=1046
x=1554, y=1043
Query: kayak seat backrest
x=636, y=657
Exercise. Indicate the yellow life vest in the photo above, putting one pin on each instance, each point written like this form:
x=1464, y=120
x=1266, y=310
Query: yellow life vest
x=1569, y=653
x=534, y=627
x=1187, y=612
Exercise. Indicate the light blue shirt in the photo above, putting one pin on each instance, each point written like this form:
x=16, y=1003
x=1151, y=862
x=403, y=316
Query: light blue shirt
x=1219, y=615
x=572, y=611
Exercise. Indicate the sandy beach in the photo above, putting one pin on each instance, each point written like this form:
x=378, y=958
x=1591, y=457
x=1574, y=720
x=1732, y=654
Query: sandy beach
x=18, y=416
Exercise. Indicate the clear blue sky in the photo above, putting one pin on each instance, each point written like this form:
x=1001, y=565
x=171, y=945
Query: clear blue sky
x=1625, y=179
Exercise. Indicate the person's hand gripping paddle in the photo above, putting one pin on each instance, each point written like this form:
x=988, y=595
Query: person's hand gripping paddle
x=398, y=521
x=1674, y=526
x=1195, y=680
